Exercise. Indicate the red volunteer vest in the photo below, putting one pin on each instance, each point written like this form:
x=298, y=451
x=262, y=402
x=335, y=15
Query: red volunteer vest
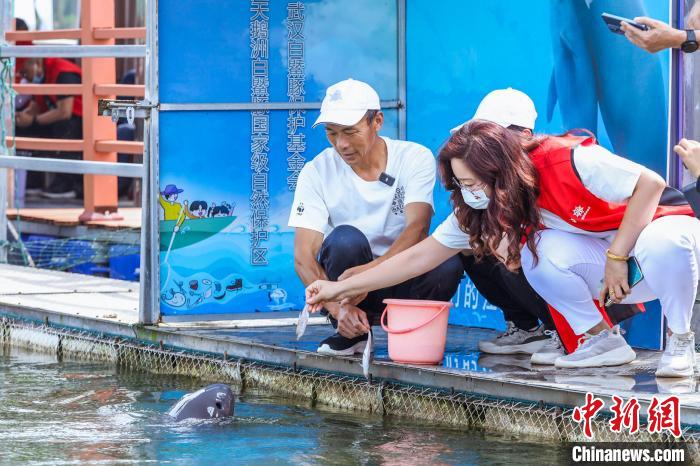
x=563, y=194
x=52, y=68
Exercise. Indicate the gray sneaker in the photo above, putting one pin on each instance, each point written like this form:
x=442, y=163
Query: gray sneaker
x=550, y=351
x=607, y=348
x=515, y=340
x=678, y=359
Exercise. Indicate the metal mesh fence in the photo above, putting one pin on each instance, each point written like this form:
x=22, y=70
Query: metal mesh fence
x=459, y=410
x=69, y=253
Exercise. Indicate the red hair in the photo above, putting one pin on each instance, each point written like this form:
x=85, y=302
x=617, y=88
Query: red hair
x=496, y=156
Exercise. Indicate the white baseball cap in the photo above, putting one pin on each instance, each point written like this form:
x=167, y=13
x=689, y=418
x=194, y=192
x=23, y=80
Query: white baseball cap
x=347, y=102
x=505, y=107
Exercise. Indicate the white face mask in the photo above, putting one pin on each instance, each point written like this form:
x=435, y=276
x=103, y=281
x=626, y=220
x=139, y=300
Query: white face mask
x=476, y=200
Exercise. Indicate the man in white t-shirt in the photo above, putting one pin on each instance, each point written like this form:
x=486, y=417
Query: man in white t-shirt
x=358, y=203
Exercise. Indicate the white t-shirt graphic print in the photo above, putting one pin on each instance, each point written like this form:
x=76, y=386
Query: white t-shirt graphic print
x=329, y=194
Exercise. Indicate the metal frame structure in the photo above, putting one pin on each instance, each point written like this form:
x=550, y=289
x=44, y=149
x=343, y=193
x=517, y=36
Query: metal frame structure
x=148, y=171
x=149, y=296
x=6, y=18
x=674, y=167
x=74, y=51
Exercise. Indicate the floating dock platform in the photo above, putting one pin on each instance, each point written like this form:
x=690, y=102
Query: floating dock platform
x=93, y=318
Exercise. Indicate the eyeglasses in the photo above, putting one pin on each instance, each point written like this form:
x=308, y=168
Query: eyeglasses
x=472, y=188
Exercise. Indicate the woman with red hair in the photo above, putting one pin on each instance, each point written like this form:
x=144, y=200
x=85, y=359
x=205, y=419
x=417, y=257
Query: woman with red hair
x=571, y=213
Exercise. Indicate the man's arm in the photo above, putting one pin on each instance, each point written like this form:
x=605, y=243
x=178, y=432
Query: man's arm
x=352, y=321
x=306, y=246
x=418, y=216
x=25, y=117
x=658, y=37
x=64, y=103
x=63, y=111
x=307, y=243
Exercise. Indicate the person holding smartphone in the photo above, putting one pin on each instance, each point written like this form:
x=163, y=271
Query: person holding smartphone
x=660, y=36
x=571, y=213
x=689, y=152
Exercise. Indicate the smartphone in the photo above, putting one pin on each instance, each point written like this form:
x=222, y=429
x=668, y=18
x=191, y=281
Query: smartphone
x=634, y=276
x=614, y=22
x=693, y=197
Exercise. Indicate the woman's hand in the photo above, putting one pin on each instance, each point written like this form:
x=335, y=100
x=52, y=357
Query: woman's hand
x=323, y=291
x=615, y=283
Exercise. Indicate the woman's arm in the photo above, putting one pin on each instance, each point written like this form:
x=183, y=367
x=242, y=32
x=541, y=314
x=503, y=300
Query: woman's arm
x=639, y=213
x=412, y=262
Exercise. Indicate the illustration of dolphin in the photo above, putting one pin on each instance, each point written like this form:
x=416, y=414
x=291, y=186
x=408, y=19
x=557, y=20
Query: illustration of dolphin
x=592, y=70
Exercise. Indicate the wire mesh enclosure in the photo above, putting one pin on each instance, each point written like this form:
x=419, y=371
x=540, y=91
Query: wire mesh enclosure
x=432, y=406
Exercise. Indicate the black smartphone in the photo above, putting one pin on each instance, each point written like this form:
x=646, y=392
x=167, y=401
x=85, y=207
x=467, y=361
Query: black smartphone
x=693, y=197
x=634, y=276
x=613, y=22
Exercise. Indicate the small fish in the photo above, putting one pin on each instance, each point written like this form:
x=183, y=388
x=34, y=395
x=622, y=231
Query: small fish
x=367, y=356
x=302, y=322
x=206, y=282
x=194, y=284
x=207, y=294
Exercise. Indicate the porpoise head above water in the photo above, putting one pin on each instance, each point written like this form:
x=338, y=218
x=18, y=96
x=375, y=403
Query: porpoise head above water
x=211, y=402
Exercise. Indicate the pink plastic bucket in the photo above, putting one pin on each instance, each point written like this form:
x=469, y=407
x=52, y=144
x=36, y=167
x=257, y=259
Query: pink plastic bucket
x=417, y=330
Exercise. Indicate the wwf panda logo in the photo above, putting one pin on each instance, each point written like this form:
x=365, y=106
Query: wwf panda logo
x=300, y=208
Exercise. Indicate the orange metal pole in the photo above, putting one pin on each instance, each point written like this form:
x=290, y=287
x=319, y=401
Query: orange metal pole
x=100, y=199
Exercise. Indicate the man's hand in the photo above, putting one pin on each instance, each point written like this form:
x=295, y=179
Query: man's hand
x=352, y=321
x=24, y=119
x=660, y=35
x=355, y=271
x=689, y=152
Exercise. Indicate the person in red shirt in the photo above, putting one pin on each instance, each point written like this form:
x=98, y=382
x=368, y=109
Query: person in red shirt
x=51, y=116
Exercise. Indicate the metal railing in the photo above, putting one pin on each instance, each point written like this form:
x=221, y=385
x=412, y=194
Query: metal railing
x=146, y=171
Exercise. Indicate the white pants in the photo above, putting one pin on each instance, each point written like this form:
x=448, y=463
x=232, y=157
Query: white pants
x=571, y=268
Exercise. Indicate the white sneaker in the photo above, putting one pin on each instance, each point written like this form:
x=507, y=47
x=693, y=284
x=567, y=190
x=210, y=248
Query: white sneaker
x=607, y=348
x=550, y=351
x=678, y=359
x=515, y=340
